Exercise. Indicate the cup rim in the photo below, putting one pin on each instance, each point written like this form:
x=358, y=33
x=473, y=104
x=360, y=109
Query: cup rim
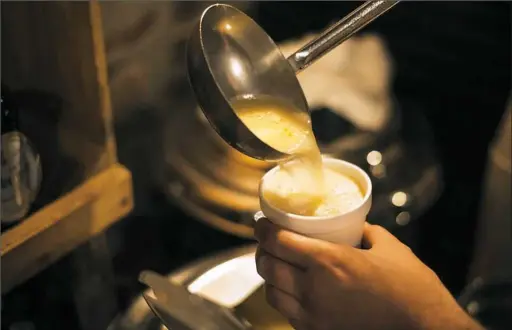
x=325, y=160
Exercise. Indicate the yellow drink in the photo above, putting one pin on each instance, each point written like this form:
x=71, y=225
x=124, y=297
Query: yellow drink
x=303, y=186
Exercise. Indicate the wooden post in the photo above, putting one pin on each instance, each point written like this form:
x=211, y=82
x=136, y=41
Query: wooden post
x=58, y=47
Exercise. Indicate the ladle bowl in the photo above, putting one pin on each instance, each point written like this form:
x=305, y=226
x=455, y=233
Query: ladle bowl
x=229, y=56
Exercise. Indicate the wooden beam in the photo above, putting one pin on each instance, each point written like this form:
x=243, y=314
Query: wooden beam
x=63, y=225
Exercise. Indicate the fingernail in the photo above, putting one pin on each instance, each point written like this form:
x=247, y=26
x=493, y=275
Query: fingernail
x=258, y=215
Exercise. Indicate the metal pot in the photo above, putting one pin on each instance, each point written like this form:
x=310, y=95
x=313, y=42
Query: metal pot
x=139, y=317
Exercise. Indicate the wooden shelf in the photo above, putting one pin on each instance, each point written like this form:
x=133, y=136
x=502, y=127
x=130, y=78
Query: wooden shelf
x=57, y=47
x=63, y=225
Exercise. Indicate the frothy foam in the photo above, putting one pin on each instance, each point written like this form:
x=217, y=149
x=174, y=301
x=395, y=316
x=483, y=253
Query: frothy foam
x=342, y=194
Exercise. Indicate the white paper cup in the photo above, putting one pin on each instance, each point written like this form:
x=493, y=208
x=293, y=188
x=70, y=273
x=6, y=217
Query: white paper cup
x=344, y=228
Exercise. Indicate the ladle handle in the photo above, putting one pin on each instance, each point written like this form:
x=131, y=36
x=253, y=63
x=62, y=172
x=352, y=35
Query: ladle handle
x=339, y=32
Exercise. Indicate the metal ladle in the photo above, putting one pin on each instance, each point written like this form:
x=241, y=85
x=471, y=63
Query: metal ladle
x=230, y=56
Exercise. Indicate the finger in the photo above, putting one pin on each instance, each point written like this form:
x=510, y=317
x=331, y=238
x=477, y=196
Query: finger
x=284, y=303
x=279, y=274
x=374, y=235
x=290, y=247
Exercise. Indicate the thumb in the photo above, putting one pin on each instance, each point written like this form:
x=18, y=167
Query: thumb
x=376, y=235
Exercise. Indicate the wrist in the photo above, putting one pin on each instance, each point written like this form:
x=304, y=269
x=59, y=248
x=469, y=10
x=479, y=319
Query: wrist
x=454, y=318
x=463, y=321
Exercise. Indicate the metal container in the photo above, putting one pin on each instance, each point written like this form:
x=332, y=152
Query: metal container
x=139, y=317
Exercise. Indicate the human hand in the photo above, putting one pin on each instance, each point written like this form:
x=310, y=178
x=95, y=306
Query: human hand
x=322, y=286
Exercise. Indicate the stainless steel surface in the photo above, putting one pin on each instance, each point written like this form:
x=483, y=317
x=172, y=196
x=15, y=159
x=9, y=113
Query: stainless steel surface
x=138, y=315
x=179, y=309
x=339, y=32
x=230, y=56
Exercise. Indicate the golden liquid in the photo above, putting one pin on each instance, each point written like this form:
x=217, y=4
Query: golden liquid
x=289, y=130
